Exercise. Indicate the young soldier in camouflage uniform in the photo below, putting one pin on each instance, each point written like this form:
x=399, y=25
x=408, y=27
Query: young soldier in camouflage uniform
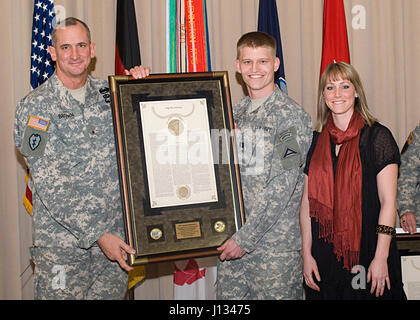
x=408, y=196
x=262, y=260
x=64, y=131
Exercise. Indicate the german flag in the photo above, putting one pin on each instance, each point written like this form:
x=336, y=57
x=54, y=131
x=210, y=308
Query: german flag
x=127, y=49
x=127, y=55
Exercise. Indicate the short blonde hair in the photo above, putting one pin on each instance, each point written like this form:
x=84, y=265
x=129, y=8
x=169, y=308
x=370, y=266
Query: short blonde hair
x=345, y=71
x=256, y=39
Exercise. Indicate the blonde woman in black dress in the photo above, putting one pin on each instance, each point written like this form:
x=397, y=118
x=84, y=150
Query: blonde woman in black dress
x=348, y=208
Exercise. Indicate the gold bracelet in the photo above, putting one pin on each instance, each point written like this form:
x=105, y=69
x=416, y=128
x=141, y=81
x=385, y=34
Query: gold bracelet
x=390, y=231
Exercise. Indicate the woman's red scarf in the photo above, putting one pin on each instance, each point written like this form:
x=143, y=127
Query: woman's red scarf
x=337, y=205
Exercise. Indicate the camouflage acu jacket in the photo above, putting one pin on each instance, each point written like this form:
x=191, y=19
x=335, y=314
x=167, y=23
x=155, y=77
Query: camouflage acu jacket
x=70, y=151
x=409, y=176
x=273, y=141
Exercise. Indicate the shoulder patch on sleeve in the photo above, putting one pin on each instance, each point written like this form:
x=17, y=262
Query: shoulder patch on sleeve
x=288, y=149
x=38, y=123
x=410, y=138
x=35, y=137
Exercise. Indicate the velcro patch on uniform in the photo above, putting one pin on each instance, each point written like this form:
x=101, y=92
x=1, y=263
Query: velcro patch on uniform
x=410, y=138
x=38, y=123
x=34, y=142
x=288, y=149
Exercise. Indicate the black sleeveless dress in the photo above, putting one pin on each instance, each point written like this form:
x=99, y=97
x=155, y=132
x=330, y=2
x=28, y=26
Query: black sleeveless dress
x=377, y=149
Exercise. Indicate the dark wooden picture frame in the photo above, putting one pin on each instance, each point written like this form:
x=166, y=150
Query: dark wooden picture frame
x=175, y=231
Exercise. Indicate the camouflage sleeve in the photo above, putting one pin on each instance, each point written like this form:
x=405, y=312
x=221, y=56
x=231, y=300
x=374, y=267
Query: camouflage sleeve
x=67, y=183
x=19, y=126
x=278, y=198
x=409, y=174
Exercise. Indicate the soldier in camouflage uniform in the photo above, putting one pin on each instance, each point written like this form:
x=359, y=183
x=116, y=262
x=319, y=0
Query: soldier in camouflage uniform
x=408, y=197
x=262, y=260
x=64, y=131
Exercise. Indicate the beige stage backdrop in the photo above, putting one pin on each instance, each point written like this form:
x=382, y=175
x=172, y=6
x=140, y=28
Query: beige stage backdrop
x=384, y=39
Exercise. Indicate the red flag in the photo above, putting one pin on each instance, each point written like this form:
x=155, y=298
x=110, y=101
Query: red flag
x=190, y=274
x=127, y=48
x=334, y=38
x=194, y=282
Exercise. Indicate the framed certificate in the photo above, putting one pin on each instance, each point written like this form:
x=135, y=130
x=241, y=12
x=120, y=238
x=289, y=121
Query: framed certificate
x=180, y=184
x=409, y=249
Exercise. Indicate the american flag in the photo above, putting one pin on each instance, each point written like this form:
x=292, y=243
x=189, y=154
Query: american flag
x=41, y=65
x=42, y=24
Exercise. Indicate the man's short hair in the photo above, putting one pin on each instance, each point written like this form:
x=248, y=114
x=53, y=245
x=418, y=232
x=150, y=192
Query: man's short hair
x=70, y=21
x=255, y=39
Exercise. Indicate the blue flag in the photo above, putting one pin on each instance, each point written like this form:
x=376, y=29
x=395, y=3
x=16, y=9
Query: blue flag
x=42, y=24
x=268, y=22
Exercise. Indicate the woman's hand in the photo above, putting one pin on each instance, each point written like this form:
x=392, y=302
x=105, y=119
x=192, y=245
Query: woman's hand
x=378, y=274
x=310, y=267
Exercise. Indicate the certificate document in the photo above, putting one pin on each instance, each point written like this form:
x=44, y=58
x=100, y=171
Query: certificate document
x=178, y=152
x=410, y=266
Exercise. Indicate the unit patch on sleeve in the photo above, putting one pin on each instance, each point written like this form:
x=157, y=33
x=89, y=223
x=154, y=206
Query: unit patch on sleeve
x=288, y=149
x=35, y=137
x=409, y=140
